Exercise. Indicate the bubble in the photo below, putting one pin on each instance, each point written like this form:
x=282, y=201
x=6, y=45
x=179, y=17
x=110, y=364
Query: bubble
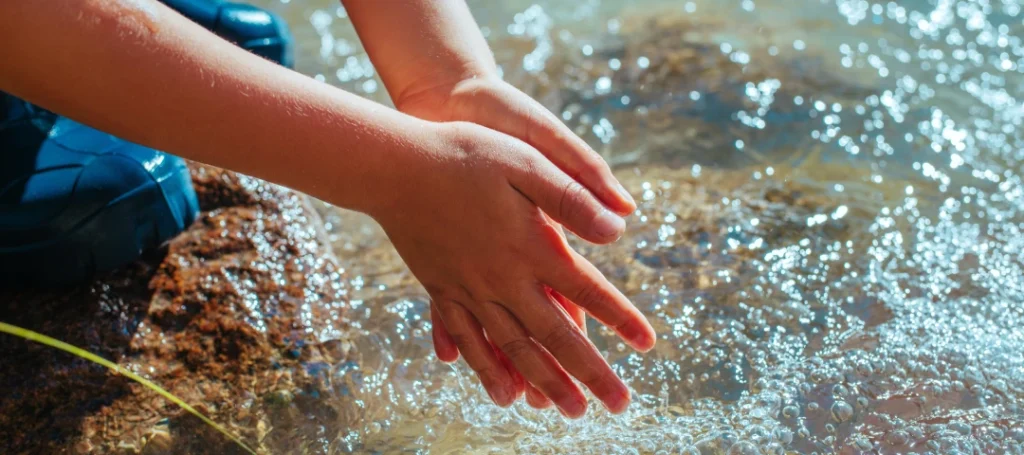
x=841, y=411
x=897, y=438
x=790, y=412
x=829, y=216
x=744, y=448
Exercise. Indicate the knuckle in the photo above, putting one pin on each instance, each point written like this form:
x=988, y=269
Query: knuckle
x=621, y=326
x=589, y=296
x=530, y=126
x=517, y=348
x=561, y=338
x=573, y=201
x=595, y=168
x=464, y=294
x=595, y=380
x=528, y=164
x=494, y=279
x=486, y=372
x=461, y=339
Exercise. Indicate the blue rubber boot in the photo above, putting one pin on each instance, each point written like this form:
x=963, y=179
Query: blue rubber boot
x=75, y=201
x=84, y=202
x=257, y=30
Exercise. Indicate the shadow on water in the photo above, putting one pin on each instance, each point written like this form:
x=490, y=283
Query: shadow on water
x=49, y=390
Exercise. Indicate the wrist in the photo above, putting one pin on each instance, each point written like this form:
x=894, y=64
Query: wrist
x=434, y=89
x=397, y=165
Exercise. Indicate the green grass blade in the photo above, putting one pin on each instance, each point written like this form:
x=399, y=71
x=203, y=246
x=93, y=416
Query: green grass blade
x=53, y=343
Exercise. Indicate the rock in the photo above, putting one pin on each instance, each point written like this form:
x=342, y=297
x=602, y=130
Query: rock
x=227, y=312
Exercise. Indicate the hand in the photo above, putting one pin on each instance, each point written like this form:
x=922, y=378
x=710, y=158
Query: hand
x=493, y=103
x=488, y=101
x=448, y=349
x=470, y=223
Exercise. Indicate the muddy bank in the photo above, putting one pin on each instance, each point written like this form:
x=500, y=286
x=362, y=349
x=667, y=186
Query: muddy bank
x=235, y=316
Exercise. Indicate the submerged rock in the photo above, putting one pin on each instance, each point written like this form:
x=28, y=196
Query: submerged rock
x=225, y=317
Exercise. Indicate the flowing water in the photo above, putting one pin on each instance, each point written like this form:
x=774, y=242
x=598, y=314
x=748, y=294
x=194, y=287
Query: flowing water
x=828, y=240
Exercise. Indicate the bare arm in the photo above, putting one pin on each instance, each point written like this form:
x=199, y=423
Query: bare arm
x=421, y=44
x=141, y=71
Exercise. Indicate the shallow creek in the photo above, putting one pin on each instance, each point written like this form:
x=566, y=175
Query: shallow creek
x=828, y=240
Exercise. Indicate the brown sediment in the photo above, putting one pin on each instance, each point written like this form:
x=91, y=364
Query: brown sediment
x=229, y=317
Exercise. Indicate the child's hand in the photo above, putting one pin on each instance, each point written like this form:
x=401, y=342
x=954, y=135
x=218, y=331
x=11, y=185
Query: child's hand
x=448, y=350
x=488, y=101
x=469, y=221
x=493, y=103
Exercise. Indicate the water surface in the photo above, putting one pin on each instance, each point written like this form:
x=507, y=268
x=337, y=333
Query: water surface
x=828, y=240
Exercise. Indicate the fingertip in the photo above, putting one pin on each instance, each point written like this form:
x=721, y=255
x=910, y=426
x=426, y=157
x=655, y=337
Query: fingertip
x=536, y=399
x=608, y=226
x=447, y=355
x=612, y=392
x=444, y=346
x=620, y=403
x=571, y=404
x=640, y=336
x=573, y=410
x=628, y=204
x=501, y=394
x=538, y=404
x=519, y=384
x=645, y=344
x=506, y=401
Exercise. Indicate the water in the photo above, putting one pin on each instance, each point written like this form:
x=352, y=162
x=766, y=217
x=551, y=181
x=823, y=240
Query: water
x=828, y=240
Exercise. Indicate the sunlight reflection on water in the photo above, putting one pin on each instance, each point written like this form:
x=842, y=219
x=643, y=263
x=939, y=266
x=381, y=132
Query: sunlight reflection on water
x=828, y=239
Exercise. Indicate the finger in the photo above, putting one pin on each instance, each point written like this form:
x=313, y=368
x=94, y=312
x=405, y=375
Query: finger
x=477, y=351
x=578, y=316
x=510, y=111
x=567, y=201
x=584, y=285
x=518, y=381
x=552, y=327
x=575, y=312
x=445, y=347
x=536, y=399
x=537, y=365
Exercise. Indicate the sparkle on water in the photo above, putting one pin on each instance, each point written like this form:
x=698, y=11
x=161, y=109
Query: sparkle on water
x=828, y=239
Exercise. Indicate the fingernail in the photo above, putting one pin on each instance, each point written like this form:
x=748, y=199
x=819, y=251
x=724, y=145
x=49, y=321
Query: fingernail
x=499, y=393
x=618, y=402
x=638, y=337
x=613, y=393
x=571, y=408
x=536, y=400
x=608, y=224
x=500, y=397
x=625, y=194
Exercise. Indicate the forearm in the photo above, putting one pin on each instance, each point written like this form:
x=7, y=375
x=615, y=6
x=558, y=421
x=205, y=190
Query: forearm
x=417, y=44
x=138, y=70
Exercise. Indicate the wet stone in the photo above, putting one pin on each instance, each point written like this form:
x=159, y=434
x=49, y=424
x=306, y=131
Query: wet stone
x=214, y=318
